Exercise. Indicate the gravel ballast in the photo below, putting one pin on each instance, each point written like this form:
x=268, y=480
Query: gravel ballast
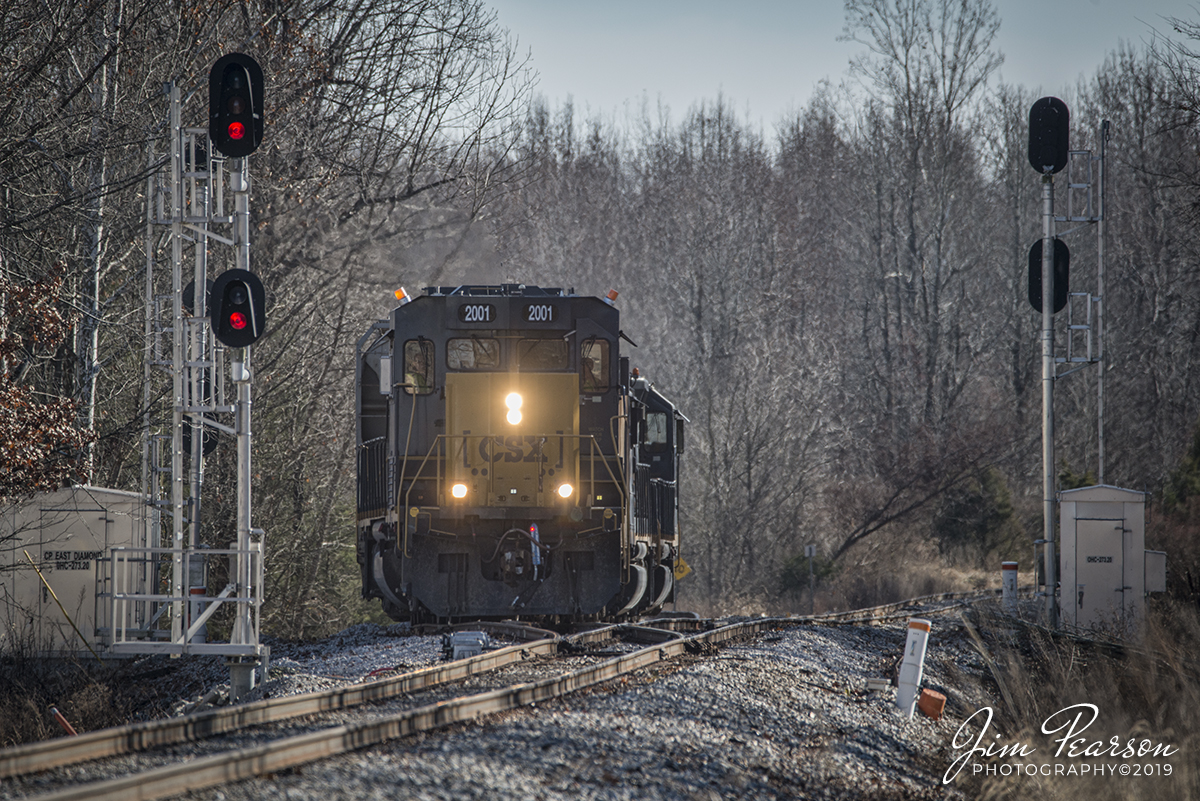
x=785, y=716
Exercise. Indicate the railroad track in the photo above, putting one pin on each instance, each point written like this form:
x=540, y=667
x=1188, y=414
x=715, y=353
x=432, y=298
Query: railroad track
x=49, y=754
x=661, y=641
x=902, y=609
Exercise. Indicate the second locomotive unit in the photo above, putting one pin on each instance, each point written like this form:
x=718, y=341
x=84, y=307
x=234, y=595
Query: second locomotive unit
x=509, y=461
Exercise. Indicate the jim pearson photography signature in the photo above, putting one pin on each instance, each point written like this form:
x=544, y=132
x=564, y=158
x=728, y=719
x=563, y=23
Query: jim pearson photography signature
x=1073, y=721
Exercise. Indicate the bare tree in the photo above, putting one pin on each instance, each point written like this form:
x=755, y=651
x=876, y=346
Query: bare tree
x=1153, y=293
x=389, y=127
x=927, y=64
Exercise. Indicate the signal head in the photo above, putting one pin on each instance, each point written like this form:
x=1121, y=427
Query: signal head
x=237, y=308
x=235, y=105
x=1049, y=135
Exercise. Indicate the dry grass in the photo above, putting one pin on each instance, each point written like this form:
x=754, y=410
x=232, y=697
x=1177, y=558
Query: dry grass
x=867, y=587
x=1146, y=692
x=85, y=695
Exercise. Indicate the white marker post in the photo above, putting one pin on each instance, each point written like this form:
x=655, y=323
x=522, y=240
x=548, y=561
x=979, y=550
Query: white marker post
x=913, y=666
x=1008, y=596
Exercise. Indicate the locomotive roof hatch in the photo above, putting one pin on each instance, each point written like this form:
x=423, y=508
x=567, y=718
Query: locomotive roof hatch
x=501, y=290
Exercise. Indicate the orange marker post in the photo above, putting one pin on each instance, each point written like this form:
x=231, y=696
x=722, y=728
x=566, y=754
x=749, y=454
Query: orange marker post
x=912, y=666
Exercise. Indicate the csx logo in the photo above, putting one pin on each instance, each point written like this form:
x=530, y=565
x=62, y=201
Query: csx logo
x=517, y=449
x=1099, y=558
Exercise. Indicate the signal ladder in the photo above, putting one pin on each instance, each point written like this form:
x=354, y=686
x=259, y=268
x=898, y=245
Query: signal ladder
x=1085, y=206
x=1085, y=310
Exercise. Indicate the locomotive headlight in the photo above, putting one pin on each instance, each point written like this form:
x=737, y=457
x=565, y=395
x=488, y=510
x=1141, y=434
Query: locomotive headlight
x=459, y=490
x=565, y=490
x=513, y=401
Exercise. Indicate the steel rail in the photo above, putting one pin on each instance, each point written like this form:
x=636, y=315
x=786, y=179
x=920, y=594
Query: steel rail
x=289, y=752
x=889, y=617
x=34, y=757
x=972, y=595
x=889, y=612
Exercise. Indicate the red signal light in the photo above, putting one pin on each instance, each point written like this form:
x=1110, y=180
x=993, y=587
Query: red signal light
x=235, y=108
x=238, y=304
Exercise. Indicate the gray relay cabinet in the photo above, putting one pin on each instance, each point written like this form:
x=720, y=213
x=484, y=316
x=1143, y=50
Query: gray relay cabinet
x=1103, y=559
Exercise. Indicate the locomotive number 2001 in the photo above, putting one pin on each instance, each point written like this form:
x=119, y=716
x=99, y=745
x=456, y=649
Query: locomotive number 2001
x=477, y=313
x=539, y=313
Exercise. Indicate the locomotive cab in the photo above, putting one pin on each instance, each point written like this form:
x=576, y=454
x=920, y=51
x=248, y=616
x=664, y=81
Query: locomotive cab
x=509, y=464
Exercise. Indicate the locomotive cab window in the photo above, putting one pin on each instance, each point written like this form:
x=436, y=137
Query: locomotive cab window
x=542, y=354
x=473, y=353
x=593, y=365
x=418, y=367
x=656, y=429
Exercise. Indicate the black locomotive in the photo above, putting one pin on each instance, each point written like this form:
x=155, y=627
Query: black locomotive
x=510, y=463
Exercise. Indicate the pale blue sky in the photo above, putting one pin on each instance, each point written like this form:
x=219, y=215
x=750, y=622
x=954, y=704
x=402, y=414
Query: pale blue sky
x=767, y=55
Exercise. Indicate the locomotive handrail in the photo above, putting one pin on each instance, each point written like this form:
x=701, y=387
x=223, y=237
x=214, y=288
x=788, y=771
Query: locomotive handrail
x=402, y=522
x=412, y=414
x=372, y=495
x=594, y=450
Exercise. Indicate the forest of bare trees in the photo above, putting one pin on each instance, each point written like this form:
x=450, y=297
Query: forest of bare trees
x=838, y=304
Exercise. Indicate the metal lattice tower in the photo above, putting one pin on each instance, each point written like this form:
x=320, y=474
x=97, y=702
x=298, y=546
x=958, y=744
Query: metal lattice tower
x=187, y=214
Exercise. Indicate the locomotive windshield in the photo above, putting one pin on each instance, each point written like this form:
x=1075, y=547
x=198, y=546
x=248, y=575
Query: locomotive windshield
x=542, y=354
x=473, y=354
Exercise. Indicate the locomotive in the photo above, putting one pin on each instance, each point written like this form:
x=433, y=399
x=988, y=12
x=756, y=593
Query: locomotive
x=510, y=463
